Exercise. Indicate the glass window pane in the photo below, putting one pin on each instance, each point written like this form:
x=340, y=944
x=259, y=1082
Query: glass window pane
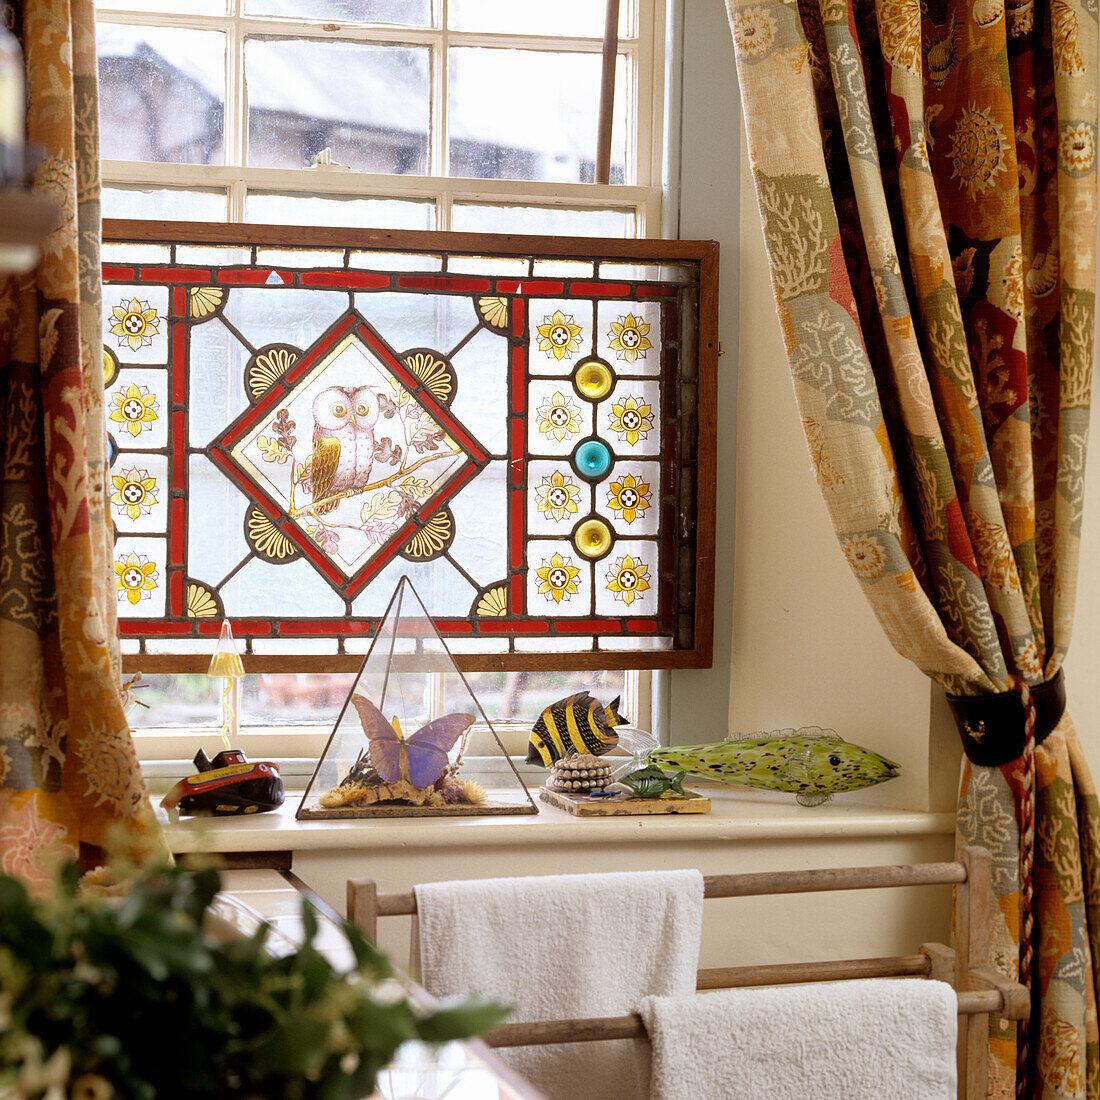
x=369, y=104
x=161, y=94
x=575, y=18
x=417, y=13
x=316, y=698
x=343, y=210
x=527, y=115
x=186, y=7
x=558, y=221
x=522, y=696
x=169, y=203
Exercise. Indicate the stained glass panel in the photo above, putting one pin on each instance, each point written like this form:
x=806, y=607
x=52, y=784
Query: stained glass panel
x=294, y=426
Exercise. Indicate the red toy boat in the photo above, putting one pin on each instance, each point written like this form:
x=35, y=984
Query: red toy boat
x=226, y=785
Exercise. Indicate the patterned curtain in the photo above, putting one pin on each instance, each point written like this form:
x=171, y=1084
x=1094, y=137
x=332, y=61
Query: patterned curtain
x=68, y=770
x=926, y=177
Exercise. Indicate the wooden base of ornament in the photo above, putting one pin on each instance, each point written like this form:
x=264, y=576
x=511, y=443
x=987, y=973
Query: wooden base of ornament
x=582, y=805
x=396, y=809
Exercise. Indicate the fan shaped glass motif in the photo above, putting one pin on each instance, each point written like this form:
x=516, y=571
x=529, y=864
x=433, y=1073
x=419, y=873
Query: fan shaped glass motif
x=298, y=418
x=412, y=739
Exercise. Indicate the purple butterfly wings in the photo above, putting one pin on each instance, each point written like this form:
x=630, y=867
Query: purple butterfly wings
x=424, y=752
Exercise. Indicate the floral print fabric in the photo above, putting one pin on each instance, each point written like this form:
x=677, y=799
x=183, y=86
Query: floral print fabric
x=68, y=769
x=926, y=179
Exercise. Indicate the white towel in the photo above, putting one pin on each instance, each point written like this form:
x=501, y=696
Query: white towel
x=565, y=946
x=873, y=1039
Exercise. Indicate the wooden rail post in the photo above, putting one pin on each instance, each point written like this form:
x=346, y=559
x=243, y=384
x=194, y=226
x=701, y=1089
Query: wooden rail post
x=363, y=906
x=972, y=930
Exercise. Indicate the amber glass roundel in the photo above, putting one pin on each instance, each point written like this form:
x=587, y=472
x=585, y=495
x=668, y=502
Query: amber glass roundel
x=592, y=538
x=593, y=379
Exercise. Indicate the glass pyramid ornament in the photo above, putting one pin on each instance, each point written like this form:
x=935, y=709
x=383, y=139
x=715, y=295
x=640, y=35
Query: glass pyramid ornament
x=412, y=740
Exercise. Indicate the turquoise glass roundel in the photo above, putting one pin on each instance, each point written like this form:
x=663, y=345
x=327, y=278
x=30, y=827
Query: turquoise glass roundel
x=592, y=459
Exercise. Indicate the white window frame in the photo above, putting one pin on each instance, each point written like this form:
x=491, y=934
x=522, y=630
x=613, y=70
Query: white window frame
x=164, y=750
x=640, y=194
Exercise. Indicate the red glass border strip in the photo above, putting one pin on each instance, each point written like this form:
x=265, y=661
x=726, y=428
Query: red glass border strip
x=513, y=626
x=445, y=284
x=344, y=280
x=174, y=275
x=588, y=626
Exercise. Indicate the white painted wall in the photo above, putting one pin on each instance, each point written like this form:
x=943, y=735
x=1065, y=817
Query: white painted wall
x=796, y=643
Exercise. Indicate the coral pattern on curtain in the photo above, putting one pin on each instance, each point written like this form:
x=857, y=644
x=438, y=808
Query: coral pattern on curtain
x=926, y=178
x=68, y=769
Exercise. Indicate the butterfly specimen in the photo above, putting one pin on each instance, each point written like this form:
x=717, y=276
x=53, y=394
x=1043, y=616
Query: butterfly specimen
x=418, y=759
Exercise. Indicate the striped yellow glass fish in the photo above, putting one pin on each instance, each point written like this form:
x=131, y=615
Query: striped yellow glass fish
x=575, y=724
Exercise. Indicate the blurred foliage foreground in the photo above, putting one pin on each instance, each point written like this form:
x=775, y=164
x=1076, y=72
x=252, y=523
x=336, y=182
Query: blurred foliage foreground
x=125, y=998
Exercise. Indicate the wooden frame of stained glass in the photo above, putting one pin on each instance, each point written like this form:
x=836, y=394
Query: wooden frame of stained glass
x=298, y=416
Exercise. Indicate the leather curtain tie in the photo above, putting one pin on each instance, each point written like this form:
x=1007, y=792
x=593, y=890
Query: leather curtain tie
x=992, y=726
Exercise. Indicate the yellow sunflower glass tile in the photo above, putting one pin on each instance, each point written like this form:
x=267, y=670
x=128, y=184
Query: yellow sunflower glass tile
x=137, y=408
x=561, y=334
x=135, y=323
x=628, y=336
x=556, y=497
x=629, y=497
x=133, y=493
x=626, y=582
x=627, y=578
x=632, y=417
x=557, y=418
x=559, y=580
x=140, y=577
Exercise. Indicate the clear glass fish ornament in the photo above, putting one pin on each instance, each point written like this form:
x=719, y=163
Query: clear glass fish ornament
x=226, y=665
x=639, y=744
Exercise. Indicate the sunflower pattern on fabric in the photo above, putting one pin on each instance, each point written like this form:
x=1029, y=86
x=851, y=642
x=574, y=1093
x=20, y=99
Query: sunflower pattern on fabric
x=926, y=179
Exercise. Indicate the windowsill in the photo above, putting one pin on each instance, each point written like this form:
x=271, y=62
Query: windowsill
x=734, y=816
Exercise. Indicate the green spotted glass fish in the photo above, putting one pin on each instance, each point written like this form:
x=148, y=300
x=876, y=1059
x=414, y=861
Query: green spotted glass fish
x=811, y=765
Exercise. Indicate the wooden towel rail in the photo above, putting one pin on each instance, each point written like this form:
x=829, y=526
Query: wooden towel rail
x=979, y=987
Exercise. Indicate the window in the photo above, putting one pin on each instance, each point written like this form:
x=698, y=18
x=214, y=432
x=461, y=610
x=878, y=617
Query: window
x=471, y=115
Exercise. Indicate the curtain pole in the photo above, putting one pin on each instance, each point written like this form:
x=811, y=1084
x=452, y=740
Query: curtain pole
x=607, y=92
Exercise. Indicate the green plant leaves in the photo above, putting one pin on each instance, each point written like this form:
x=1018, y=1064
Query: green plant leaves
x=136, y=993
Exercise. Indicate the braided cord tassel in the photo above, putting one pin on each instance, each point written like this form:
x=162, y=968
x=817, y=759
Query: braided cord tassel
x=1027, y=863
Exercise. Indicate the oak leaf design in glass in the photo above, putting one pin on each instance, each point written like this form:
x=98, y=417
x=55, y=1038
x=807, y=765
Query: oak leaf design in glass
x=631, y=419
x=135, y=408
x=136, y=577
x=559, y=335
x=630, y=338
x=352, y=451
x=630, y=496
x=558, y=578
x=135, y=323
x=135, y=492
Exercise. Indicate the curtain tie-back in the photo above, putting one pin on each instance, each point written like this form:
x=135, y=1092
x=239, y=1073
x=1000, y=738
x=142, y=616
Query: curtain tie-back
x=992, y=726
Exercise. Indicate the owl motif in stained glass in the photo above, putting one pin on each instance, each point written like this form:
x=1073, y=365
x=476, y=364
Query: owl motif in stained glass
x=343, y=443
